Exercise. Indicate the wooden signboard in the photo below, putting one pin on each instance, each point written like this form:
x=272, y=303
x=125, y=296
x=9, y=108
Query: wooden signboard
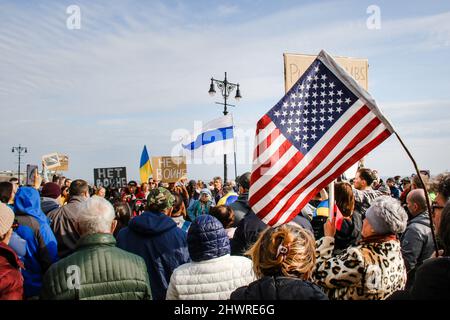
x=296, y=64
x=169, y=169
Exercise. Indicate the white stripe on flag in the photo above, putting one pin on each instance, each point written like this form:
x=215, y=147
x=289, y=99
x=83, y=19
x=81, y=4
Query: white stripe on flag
x=378, y=130
x=306, y=160
x=264, y=133
x=350, y=135
x=270, y=151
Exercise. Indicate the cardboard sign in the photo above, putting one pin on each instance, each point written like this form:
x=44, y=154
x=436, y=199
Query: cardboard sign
x=64, y=163
x=296, y=64
x=110, y=177
x=31, y=174
x=169, y=169
x=51, y=161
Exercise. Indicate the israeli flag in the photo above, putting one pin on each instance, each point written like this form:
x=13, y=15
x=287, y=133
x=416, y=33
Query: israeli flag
x=216, y=138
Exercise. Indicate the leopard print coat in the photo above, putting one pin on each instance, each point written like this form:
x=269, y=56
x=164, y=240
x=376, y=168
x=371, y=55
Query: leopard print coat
x=368, y=271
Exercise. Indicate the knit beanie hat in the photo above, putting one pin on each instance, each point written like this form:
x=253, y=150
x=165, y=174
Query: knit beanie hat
x=51, y=190
x=387, y=216
x=6, y=218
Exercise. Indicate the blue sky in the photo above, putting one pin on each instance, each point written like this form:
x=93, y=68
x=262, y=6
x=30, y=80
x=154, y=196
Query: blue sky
x=137, y=72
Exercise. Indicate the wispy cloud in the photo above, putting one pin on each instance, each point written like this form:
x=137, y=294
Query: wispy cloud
x=135, y=71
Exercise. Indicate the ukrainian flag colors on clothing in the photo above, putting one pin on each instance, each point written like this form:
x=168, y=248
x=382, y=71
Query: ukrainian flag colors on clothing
x=145, y=168
x=323, y=210
x=228, y=199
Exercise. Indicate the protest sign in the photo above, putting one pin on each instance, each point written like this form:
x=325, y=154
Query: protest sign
x=64, y=163
x=110, y=177
x=31, y=174
x=51, y=161
x=296, y=64
x=169, y=169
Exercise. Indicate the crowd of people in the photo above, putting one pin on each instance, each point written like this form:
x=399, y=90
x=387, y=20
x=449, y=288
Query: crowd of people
x=64, y=239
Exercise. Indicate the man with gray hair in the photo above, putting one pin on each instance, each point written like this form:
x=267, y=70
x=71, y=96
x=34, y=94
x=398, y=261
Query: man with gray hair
x=97, y=269
x=417, y=241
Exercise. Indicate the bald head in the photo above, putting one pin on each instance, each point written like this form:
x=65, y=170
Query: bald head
x=416, y=201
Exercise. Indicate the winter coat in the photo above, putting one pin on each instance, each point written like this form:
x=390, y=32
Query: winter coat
x=247, y=232
x=213, y=274
x=64, y=225
x=181, y=223
x=349, y=234
x=417, y=241
x=49, y=204
x=241, y=208
x=216, y=194
x=279, y=288
x=212, y=279
x=106, y=273
x=18, y=244
x=432, y=280
x=11, y=280
x=368, y=271
x=198, y=208
x=156, y=238
x=34, y=228
x=363, y=200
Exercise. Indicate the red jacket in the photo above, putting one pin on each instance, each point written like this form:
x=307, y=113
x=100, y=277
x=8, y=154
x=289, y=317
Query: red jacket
x=11, y=280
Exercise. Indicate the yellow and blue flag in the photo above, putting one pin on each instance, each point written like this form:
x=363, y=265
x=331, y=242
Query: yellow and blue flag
x=145, y=168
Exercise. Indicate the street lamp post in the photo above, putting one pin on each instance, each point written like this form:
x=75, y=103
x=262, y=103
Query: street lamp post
x=226, y=89
x=19, y=151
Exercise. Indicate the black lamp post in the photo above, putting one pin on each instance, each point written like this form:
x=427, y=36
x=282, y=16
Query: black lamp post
x=226, y=89
x=19, y=151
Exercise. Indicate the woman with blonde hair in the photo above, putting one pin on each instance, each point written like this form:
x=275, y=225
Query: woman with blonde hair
x=283, y=261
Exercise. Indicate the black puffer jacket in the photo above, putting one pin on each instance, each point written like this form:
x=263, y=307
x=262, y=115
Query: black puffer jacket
x=207, y=239
x=247, y=232
x=279, y=288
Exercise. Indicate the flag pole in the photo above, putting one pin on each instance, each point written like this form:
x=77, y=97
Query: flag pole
x=426, y=193
x=331, y=200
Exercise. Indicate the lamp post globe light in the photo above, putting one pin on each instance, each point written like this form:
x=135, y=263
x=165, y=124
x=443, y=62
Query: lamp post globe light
x=19, y=151
x=226, y=88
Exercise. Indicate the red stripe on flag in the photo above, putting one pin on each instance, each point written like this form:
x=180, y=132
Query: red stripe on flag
x=366, y=131
x=357, y=156
x=256, y=174
x=261, y=125
x=264, y=145
x=314, y=163
x=263, y=122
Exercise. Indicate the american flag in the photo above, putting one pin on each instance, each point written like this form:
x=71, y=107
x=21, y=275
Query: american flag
x=323, y=125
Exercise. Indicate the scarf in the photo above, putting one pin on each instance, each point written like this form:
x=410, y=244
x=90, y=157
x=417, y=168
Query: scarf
x=379, y=238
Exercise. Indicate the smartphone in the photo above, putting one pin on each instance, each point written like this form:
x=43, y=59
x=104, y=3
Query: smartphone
x=31, y=174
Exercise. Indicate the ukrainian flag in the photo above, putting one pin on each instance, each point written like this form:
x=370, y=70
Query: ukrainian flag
x=145, y=169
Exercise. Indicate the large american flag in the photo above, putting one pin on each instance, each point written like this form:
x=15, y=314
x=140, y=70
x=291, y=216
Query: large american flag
x=323, y=125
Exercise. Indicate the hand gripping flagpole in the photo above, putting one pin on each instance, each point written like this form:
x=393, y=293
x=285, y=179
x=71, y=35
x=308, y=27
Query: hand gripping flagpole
x=426, y=193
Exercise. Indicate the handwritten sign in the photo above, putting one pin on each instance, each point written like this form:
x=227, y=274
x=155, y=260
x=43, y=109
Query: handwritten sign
x=296, y=64
x=110, y=177
x=169, y=169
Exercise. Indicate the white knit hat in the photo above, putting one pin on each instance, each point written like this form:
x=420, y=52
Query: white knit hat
x=6, y=218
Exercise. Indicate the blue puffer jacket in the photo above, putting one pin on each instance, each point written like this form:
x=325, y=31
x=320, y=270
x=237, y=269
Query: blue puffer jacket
x=207, y=239
x=34, y=228
x=156, y=238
